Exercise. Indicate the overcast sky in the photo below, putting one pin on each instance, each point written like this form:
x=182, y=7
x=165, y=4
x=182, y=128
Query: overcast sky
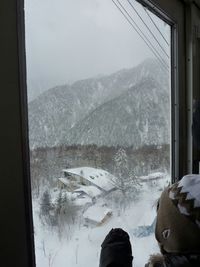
x=68, y=40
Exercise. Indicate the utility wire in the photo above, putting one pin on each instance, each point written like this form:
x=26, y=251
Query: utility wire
x=139, y=32
x=155, y=25
x=148, y=28
x=144, y=36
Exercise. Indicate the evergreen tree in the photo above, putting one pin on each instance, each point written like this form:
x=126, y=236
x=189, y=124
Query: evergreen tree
x=126, y=181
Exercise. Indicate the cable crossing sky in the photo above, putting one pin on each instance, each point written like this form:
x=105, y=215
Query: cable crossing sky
x=134, y=25
x=152, y=34
x=156, y=25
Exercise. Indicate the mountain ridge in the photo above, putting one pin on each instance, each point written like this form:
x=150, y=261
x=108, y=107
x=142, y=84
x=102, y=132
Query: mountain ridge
x=53, y=114
x=116, y=122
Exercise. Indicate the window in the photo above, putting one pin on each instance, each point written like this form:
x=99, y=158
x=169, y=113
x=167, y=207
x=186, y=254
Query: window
x=99, y=87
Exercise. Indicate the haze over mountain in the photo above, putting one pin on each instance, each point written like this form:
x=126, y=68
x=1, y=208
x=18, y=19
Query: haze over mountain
x=129, y=107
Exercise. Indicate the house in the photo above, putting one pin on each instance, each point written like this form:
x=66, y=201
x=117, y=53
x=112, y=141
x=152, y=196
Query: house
x=90, y=191
x=85, y=195
x=82, y=201
x=87, y=176
x=65, y=183
x=97, y=215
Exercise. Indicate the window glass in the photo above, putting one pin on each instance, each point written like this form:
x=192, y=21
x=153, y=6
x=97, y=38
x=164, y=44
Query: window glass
x=99, y=125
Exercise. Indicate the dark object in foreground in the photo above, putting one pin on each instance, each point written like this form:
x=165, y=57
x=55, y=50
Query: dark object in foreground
x=116, y=250
x=173, y=260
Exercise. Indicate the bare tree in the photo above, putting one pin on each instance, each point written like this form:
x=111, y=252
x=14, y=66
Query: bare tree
x=65, y=213
x=46, y=208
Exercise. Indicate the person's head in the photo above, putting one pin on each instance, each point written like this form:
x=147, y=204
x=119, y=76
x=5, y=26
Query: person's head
x=178, y=217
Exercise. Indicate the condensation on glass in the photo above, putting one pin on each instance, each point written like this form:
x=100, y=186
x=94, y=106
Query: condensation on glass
x=99, y=125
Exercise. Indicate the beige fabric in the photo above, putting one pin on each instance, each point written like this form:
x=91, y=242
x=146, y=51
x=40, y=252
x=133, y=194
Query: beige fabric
x=183, y=234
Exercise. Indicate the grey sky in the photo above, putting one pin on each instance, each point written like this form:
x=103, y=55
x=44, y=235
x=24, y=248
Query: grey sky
x=68, y=40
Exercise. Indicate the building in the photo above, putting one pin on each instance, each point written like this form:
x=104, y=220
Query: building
x=97, y=215
x=87, y=176
x=90, y=191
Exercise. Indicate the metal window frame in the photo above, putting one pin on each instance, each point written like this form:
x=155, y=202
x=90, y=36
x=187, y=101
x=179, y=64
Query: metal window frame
x=25, y=135
x=184, y=18
x=17, y=235
x=163, y=9
x=193, y=78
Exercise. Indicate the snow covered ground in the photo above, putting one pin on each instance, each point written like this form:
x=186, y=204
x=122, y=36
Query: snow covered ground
x=80, y=246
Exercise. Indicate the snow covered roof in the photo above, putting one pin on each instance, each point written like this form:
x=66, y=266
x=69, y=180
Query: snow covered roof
x=91, y=191
x=96, y=213
x=98, y=177
x=82, y=201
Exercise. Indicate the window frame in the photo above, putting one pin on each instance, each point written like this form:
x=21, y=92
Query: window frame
x=173, y=13
x=25, y=134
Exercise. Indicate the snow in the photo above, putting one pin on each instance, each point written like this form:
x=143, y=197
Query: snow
x=98, y=177
x=82, y=201
x=190, y=185
x=156, y=175
x=55, y=195
x=183, y=210
x=83, y=248
x=80, y=246
x=96, y=213
x=91, y=191
x=153, y=176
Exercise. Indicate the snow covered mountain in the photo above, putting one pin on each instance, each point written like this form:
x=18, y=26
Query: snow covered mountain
x=129, y=107
x=127, y=120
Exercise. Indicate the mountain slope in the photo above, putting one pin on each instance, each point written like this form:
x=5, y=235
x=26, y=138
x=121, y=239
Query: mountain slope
x=137, y=117
x=57, y=112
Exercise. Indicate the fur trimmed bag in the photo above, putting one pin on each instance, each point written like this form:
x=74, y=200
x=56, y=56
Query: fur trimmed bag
x=171, y=260
x=156, y=260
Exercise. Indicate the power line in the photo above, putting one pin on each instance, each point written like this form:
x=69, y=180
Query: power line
x=148, y=28
x=140, y=33
x=156, y=25
x=144, y=36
